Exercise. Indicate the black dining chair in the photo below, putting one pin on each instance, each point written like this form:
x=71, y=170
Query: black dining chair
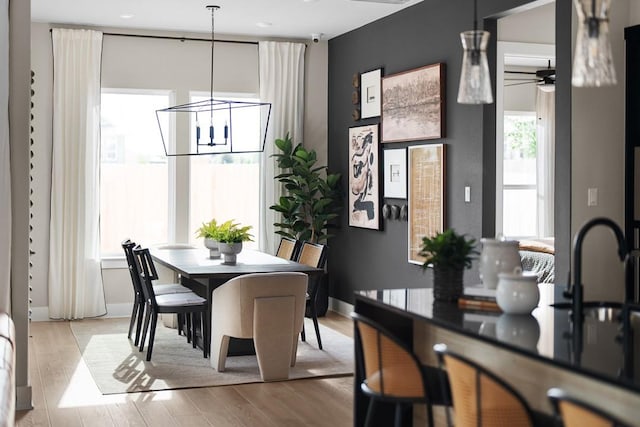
x=192, y=306
x=313, y=255
x=137, y=313
x=288, y=248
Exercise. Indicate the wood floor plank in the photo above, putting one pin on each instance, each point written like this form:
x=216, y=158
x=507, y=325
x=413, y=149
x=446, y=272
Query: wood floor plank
x=64, y=394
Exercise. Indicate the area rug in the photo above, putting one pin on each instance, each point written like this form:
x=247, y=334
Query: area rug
x=118, y=367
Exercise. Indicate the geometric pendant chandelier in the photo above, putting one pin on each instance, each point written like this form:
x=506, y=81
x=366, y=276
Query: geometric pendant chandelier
x=214, y=126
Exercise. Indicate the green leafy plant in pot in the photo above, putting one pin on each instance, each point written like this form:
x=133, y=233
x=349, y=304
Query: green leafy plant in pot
x=209, y=230
x=449, y=254
x=312, y=196
x=230, y=236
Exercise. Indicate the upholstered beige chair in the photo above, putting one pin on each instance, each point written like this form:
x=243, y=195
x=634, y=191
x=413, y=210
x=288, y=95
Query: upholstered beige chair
x=268, y=307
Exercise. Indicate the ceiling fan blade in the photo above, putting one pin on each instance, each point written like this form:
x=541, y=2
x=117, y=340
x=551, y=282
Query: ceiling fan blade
x=520, y=72
x=522, y=83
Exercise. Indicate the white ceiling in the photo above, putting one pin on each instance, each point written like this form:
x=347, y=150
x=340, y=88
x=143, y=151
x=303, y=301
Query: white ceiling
x=263, y=18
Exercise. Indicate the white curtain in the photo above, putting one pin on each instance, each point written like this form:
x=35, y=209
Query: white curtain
x=281, y=84
x=546, y=130
x=5, y=175
x=75, y=278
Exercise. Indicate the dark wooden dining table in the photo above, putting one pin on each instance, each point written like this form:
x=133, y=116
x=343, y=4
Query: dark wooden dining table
x=202, y=275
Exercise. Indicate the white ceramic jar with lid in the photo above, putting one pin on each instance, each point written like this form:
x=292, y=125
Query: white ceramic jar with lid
x=498, y=256
x=517, y=291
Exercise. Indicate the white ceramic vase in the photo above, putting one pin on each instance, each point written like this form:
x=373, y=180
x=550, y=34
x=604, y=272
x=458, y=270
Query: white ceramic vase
x=213, y=246
x=498, y=256
x=229, y=252
x=517, y=292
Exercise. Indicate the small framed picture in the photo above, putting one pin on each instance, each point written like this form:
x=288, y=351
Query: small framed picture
x=370, y=93
x=395, y=173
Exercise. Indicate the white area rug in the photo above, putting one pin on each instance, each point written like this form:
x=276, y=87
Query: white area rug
x=118, y=367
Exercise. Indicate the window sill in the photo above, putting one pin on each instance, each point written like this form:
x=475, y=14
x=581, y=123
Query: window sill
x=112, y=263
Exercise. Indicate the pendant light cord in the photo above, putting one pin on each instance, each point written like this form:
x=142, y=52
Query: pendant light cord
x=213, y=9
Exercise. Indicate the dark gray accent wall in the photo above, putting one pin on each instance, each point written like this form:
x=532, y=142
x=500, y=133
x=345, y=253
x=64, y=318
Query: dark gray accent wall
x=424, y=34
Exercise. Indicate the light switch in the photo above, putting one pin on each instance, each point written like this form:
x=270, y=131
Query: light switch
x=592, y=197
x=467, y=194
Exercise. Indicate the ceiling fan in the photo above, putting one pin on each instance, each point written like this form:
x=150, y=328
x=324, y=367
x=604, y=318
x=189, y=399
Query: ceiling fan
x=545, y=79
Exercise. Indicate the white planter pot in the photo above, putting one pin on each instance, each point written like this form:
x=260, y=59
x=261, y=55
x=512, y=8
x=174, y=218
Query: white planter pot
x=213, y=246
x=229, y=252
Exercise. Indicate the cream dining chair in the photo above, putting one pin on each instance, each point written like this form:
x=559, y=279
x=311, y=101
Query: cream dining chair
x=268, y=307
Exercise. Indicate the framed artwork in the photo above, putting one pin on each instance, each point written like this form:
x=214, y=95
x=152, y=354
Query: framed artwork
x=426, y=195
x=395, y=173
x=364, y=196
x=370, y=93
x=413, y=104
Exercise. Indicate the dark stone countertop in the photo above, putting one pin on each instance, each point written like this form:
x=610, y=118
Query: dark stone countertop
x=606, y=349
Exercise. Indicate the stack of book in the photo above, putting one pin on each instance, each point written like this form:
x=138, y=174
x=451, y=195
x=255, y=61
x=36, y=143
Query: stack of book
x=478, y=298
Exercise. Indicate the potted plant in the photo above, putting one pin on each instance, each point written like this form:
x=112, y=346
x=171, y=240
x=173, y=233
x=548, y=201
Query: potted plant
x=449, y=254
x=312, y=196
x=230, y=237
x=209, y=230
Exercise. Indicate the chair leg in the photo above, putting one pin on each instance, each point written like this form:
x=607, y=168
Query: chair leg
x=180, y=318
x=189, y=323
x=141, y=310
x=303, y=336
x=152, y=334
x=398, y=416
x=205, y=343
x=370, y=410
x=314, y=316
x=134, y=314
x=193, y=317
x=145, y=328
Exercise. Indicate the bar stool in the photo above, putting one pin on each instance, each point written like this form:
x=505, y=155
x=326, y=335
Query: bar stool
x=577, y=413
x=479, y=397
x=394, y=374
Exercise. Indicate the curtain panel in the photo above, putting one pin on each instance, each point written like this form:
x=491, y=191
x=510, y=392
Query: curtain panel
x=546, y=127
x=75, y=276
x=281, y=84
x=5, y=162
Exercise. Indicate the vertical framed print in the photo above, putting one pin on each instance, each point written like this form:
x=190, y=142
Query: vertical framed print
x=370, y=93
x=395, y=173
x=426, y=196
x=364, y=177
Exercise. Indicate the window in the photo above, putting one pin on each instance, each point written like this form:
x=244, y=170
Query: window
x=519, y=190
x=144, y=192
x=227, y=186
x=134, y=170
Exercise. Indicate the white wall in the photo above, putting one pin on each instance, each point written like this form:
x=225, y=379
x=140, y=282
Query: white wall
x=598, y=162
x=129, y=62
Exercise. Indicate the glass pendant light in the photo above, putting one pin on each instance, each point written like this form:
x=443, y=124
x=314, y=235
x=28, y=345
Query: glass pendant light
x=475, y=81
x=593, y=60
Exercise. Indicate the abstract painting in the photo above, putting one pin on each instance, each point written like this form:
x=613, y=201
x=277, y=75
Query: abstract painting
x=413, y=104
x=364, y=195
x=426, y=195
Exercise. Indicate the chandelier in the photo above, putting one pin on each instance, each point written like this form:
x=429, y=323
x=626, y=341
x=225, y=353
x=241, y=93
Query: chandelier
x=210, y=122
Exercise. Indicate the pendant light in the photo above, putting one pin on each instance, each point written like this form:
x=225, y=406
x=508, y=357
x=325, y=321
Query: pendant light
x=210, y=121
x=593, y=60
x=475, y=81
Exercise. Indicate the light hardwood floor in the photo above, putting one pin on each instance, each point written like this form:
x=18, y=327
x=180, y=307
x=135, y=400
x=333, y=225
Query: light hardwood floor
x=64, y=394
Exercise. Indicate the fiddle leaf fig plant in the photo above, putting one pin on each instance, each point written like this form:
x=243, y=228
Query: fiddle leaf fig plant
x=312, y=196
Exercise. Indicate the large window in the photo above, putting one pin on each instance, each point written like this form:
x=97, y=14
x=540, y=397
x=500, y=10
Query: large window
x=519, y=191
x=144, y=192
x=134, y=170
x=227, y=186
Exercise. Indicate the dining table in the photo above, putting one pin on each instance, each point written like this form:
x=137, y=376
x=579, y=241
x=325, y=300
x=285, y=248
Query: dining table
x=196, y=270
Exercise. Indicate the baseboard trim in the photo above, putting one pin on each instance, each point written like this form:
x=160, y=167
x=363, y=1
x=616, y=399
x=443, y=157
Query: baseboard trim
x=41, y=314
x=340, y=306
x=24, y=400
